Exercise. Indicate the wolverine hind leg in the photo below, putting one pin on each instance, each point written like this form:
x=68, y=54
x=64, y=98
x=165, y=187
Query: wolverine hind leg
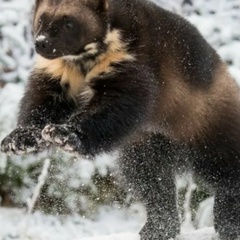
x=148, y=169
x=219, y=165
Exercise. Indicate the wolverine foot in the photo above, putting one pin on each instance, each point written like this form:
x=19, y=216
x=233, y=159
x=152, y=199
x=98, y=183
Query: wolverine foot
x=23, y=140
x=62, y=136
x=153, y=231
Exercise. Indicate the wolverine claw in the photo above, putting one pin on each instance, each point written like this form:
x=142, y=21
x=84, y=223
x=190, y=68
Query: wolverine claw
x=22, y=141
x=57, y=134
x=47, y=133
x=8, y=146
x=62, y=136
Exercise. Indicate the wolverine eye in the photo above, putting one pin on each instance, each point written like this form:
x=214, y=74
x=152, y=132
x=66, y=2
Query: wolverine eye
x=55, y=30
x=69, y=25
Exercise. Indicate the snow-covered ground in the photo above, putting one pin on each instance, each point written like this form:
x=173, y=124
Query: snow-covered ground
x=110, y=224
x=14, y=224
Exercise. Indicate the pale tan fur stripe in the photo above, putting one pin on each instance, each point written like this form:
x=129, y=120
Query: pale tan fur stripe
x=70, y=73
x=117, y=52
x=67, y=72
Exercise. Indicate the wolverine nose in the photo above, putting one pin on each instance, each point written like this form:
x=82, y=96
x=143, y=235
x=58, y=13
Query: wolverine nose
x=42, y=43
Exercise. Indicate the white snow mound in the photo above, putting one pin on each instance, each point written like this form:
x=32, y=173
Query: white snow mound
x=201, y=234
x=120, y=236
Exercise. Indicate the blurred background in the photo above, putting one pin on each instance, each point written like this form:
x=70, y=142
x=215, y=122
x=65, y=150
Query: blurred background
x=81, y=186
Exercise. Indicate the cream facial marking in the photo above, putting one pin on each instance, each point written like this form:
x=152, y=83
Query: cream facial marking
x=72, y=57
x=91, y=48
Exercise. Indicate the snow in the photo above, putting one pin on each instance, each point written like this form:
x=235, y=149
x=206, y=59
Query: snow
x=41, y=181
x=111, y=224
x=40, y=38
x=204, y=216
x=202, y=234
x=9, y=101
x=43, y=227
x=121, y=236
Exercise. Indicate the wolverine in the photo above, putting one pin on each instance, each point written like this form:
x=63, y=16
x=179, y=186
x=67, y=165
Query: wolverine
x=130, y=76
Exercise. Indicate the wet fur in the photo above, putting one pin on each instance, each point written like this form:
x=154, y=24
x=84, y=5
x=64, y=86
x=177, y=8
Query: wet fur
x=150, y=86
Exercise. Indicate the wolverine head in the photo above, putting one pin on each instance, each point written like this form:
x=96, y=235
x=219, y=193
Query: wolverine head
x=69, y=28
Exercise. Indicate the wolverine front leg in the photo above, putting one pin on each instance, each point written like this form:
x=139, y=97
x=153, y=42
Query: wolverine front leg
x=44, y=102
x=23, y=140
x=120, y=105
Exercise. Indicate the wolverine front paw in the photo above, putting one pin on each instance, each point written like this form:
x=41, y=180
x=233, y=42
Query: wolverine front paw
x=62, y=136
x=22, y=140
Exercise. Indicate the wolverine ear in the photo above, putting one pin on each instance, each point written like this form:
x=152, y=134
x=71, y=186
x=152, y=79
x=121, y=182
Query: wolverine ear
x=100, y=5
